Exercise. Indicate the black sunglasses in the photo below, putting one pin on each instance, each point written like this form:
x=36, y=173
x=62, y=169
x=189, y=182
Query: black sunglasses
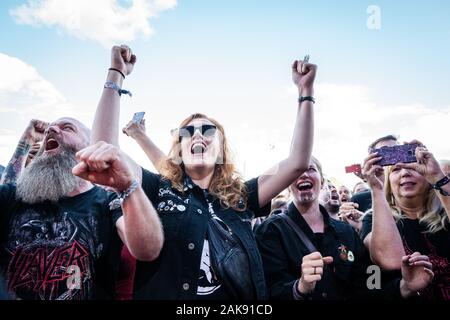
x=206, y=130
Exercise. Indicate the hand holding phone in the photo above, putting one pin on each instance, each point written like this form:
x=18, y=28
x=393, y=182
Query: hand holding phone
x=405, y=153
x=138, y=116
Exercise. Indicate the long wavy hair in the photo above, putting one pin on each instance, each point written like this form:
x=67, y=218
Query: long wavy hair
x=433, y=217
x=226, y=184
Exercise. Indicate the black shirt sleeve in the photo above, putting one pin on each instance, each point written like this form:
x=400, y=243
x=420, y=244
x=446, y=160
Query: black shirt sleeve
x=150, y=185
x=280, y=281
x=253, y=199
x=366, y=225
x=7, y=195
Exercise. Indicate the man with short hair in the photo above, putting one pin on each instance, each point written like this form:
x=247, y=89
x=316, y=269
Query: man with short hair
x=58, y=229
x=329, y=198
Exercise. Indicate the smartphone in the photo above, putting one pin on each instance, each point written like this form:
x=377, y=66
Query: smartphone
x=353, y=168
x=138, y=116
x=405, y=153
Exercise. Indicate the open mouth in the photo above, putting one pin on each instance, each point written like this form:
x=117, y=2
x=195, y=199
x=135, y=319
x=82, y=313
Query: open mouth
x=335, y=197
x=51, y=144
x=198, y=148
x=407, y=184
x=304, y=186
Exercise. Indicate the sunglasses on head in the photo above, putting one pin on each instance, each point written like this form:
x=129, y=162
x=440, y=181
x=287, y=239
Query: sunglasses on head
x=206, y=130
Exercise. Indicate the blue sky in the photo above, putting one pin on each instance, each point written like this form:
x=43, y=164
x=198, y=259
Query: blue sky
x=231, y=59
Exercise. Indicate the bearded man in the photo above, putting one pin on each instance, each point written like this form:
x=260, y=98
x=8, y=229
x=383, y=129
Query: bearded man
x=59, y=231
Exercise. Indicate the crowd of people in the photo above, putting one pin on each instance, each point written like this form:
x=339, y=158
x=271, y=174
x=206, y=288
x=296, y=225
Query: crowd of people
x=81, y=220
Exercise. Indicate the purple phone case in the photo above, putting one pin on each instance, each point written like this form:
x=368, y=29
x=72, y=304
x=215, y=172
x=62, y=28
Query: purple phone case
x=391, y=155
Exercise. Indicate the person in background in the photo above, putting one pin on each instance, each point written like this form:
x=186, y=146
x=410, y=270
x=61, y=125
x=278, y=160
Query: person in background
x=411, y=209
x=333, y=265
x=360, y=187
x=344, y=194
x=329, y=198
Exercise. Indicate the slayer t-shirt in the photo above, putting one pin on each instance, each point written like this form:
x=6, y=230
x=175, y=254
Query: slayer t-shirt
x=66, y=250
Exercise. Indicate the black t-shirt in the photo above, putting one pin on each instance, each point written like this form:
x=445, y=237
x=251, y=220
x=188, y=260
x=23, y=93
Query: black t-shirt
x=435, y=245
x=177, y=274
x=59, y=251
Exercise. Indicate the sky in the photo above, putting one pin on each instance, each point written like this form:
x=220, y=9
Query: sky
x=383, y=68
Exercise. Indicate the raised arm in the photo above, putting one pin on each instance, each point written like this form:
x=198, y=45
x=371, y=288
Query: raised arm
x=137, y=132
x=284, y=173
x=33, y=133
x=106, y=122
x=384, y=242
x=140, y=228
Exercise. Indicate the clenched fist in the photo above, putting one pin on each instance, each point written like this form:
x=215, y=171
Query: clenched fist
x=104, y=164
x=123, y=59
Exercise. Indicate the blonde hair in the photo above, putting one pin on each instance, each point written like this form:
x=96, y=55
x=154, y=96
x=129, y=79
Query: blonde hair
x=433, y=217
x=226, y=184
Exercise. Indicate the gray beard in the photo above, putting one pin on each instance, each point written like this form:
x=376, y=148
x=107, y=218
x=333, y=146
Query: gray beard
x=48, y=177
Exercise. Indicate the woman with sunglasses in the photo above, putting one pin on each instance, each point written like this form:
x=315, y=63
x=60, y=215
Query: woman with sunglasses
x=200, y=197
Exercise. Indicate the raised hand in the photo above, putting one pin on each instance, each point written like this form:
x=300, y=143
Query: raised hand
x=123, y=59
x=426, y=164
x=373, y=173
x=104, y=164
x=133, y=129
x=35, y=131
x=303, y=76
x=349, y=213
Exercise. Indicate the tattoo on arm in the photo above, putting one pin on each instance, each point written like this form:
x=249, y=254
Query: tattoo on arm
x=16, y=164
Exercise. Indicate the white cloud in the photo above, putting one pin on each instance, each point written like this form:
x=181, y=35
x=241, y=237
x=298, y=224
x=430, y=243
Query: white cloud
x=104, y=21
x=25, y=95
x=347, y=120
x=24, y=91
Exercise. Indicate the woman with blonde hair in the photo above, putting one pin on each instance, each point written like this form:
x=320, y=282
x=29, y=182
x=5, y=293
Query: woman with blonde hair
x=204, y=204
x=411, y=209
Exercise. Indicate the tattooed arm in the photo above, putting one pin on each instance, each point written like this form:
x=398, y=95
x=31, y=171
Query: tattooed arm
x=33, y=134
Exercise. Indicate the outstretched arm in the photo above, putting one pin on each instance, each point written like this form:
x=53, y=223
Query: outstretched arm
x=137, y=132
x=33, y=133
x=106, y=122
x=139, y=228
x=284, y=173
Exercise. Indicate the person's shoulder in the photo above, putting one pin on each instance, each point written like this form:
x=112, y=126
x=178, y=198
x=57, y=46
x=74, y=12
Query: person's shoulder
x=273, y=222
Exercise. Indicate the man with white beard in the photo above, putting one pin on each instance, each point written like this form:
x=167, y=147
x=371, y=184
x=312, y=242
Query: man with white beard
x=59, y=233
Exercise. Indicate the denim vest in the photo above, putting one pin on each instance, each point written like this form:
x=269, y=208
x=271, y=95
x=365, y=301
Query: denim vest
x=174, y=275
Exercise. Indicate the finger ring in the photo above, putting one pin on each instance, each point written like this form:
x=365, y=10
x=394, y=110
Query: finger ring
x=315, y=270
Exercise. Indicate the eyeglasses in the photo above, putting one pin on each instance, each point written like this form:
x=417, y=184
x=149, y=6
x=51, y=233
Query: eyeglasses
x=206, y=130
